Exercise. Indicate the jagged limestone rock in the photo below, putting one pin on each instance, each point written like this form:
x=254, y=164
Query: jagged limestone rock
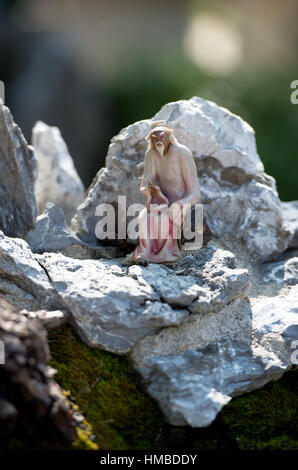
x=240, y=200
x=281, y=272
x=290, y=215
x=49, y=320
x=109, y=309
x=112, y=307
x=202, y=283
x=52, y=234
x=58, y=180
x=193, y=370
x=18, y=266
x=18, y=170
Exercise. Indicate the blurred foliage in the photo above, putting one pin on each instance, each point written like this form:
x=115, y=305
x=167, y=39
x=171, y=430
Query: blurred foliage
x=123, y=417
x=262, y=97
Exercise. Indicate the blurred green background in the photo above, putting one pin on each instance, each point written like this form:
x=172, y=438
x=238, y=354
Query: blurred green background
x=93, y=67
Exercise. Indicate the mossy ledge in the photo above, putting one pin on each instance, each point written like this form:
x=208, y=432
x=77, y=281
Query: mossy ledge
x=105, y=389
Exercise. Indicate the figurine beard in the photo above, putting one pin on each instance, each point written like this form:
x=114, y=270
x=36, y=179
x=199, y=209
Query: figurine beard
x=160, y=147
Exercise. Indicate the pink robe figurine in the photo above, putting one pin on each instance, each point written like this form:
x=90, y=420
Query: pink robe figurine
x=169, y=182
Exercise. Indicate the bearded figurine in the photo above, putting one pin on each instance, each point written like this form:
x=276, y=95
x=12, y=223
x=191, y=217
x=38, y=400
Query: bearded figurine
x=169, y=183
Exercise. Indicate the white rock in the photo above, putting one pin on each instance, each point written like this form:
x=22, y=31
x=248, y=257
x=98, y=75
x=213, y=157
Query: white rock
x=57, y=180
x=195, y=369
x=18, y=266
x=281, y=272
x=206, y=283
x=290, y=215
x=52, y=234
x=113, y=310
x=49, y=320
x=277, y=315
x=109, y=309
x=18, y=171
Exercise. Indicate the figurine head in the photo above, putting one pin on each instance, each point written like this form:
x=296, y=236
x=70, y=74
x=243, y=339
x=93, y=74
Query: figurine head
x=160, y=137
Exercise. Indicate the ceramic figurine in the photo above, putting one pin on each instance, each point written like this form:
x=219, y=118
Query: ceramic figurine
x=169, y=181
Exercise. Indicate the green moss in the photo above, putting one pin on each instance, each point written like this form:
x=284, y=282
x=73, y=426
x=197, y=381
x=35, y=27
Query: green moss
x=104, y=388
x=123, y=417
x=266, y=418
x=282, y=442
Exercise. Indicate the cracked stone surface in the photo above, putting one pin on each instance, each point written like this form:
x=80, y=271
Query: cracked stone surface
x=113, y=310
x=58, y=180
x=195, y=369
x=281, y=272
x=18, y=266
x=52, y=234
x=238, y=196
x=18, y=170
x=109, y=309
x=190, y=394
x=202, y=283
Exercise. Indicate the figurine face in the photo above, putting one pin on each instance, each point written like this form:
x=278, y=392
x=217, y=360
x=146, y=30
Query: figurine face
x=160, y=141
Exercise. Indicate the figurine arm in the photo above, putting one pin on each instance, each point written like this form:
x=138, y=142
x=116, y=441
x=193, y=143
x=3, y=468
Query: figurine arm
x=190, y=177
x=149, y=173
